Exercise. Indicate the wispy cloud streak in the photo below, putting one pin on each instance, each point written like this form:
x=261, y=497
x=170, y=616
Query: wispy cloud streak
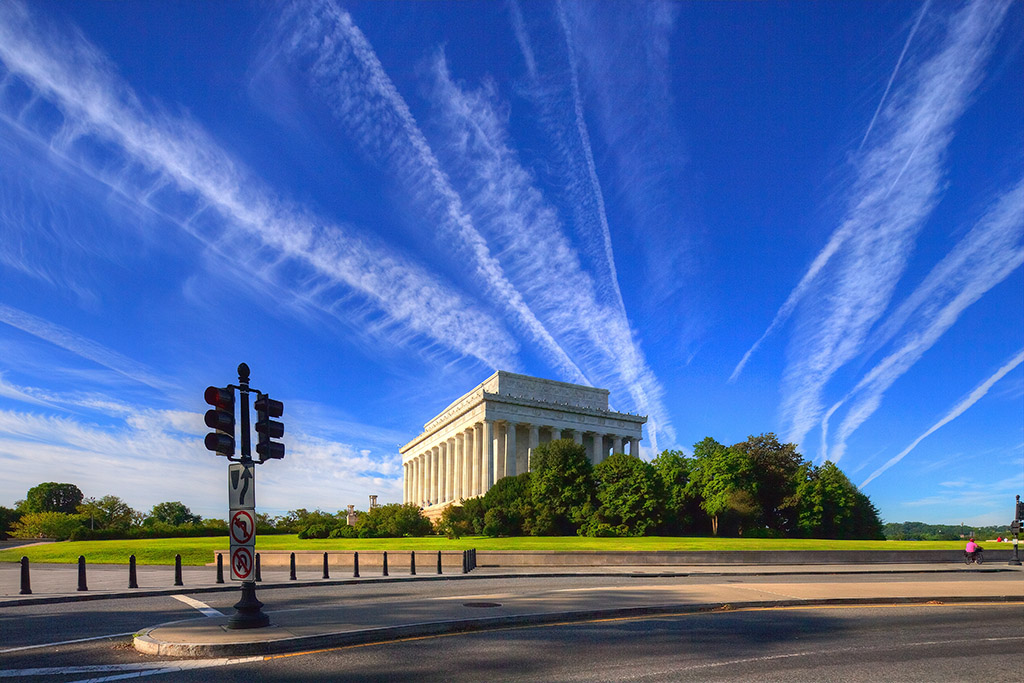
x=986, y=256
x=895, y=189
x=362, y=96
x=956, y=412
x=80, y=346
x=514, y=214
x=176, y=156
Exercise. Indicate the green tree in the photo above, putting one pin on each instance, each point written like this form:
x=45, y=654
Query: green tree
x=775, y=469
x=629, y=494
x=455, y=522
x=512, y=496
x=52, y=497
x=830, y=506
x=57, y=525
x=681, y=504
x=395, y=521
x=173, y=512
x=108, y=512
x=8, y=517
x=724, y=480
x=561, y=487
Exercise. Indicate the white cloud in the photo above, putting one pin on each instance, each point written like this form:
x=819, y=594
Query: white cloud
x=171, y=166
x=987, y=255
x=897, y=184
x=956, y=412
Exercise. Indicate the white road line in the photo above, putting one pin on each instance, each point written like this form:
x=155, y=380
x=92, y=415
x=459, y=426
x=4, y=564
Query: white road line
x=130, y=670
x=201, y=606
x=64, y=642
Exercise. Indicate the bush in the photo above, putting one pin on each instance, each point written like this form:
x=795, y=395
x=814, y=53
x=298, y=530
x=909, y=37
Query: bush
x=603, y=530
x=394, y=521
x=316, y=531
x=57, y=525
x=344, y=531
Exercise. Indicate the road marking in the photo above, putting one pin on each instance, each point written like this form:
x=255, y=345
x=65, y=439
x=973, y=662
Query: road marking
x=201, y=606
x=131, y=670
x=64, y=642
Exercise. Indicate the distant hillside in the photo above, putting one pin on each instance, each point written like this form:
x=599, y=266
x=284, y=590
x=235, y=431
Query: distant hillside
x=919, y=531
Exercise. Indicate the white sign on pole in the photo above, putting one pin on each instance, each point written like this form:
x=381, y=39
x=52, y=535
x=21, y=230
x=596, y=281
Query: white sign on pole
x=242, y=520
x=241, y=486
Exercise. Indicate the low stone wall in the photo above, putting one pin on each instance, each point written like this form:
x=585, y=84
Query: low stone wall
x=426, y=561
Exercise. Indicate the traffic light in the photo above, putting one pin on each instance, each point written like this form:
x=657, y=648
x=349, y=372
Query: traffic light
x=268, y=429
x=221, y=418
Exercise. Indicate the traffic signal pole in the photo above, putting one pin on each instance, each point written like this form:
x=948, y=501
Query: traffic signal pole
x=248, y=610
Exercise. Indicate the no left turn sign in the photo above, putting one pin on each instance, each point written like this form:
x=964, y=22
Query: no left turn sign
x=242, y=527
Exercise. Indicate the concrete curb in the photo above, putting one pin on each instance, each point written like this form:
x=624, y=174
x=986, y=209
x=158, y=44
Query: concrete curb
x=234, y=586
x=148, y=645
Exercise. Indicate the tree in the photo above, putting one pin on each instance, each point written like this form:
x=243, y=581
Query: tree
x=511, y=499
x=108, y=512
x=629, y=494
x=7, y=519
x=52, y=497
x=681, y=504
x=830, y=506
x=775, y=466
x=174, y=513
x=57, y=525
x=561, y=487
x=724, y=479
x=394, y=520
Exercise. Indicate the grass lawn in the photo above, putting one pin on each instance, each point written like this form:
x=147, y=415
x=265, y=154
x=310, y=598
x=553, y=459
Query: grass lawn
x=199, y=551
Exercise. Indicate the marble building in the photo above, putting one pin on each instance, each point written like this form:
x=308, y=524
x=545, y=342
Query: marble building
x=491, y=432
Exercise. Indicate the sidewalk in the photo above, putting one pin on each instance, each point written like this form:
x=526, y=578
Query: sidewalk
x=340, y=625
x=59, y=582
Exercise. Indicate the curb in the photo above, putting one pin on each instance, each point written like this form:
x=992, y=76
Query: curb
x=229, y=587
x=145, y=644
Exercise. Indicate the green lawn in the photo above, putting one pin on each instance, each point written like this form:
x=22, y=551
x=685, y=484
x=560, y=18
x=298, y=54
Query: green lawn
x=199, y=551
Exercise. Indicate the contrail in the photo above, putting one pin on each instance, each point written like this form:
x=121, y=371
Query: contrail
x=960, y=408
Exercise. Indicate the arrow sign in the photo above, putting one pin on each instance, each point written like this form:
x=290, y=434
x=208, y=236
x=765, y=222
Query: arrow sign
x=241, y=486
x=241, y=563
x=241, y=527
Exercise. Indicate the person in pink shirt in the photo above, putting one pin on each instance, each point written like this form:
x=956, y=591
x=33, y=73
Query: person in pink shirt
x=971, y=548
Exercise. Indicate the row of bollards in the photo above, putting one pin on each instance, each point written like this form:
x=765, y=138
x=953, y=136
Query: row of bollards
x=468, y=565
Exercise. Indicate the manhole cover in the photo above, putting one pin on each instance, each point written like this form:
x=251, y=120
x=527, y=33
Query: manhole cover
x=481, y=604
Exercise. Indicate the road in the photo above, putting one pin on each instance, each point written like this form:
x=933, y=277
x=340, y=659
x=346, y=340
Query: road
x=884, y=642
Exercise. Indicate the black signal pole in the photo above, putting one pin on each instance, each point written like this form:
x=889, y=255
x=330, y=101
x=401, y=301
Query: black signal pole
x=248, y=610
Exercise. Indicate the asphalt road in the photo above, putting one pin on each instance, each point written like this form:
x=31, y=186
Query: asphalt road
x=926, y=642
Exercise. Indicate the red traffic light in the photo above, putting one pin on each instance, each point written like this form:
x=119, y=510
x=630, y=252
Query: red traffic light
x=221, y=397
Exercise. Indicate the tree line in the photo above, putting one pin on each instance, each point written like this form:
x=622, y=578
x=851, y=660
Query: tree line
x=756, y=488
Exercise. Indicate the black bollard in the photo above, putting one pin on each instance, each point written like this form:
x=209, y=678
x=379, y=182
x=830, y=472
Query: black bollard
x=385, y=563
x=438, y=561
x=291, y=568
x=220, y=567
x=133, y=578
x=412, y=563
x=259, y=576
x=177, y=571
x=465, y=565
x=26, y=586
x=327, y=574
x=81, y=574
x=355, y=565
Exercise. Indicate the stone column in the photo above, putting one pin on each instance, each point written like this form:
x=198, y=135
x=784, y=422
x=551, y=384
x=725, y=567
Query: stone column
x=511, y=466
x=599, y=449
x=405, y=482
x=419, y=480
x=634, y=447
x=577, y=436
x=442, y=487
x=457, y=468
x=534, y=442
x=616, y=443
x=499, y=452
x=488, y=455
x=453, y=463
x=435, y=474
x=556, y=433
x=469, y=437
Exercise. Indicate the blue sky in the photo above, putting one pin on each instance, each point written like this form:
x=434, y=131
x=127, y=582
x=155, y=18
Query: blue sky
x=805, y=218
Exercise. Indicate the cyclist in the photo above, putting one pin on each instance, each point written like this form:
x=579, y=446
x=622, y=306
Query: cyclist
x=972, y=549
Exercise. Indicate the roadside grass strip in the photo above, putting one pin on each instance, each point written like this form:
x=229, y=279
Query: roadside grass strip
x=200, y=551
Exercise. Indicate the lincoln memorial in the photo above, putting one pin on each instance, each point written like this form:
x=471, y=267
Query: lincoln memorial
x=491, y=432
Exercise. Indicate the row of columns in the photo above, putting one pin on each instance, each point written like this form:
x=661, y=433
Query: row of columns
x=468, y=463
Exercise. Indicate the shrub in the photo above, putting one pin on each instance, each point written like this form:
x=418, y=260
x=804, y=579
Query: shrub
x=58, y=525
x=316, y=531
x=344, y=531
